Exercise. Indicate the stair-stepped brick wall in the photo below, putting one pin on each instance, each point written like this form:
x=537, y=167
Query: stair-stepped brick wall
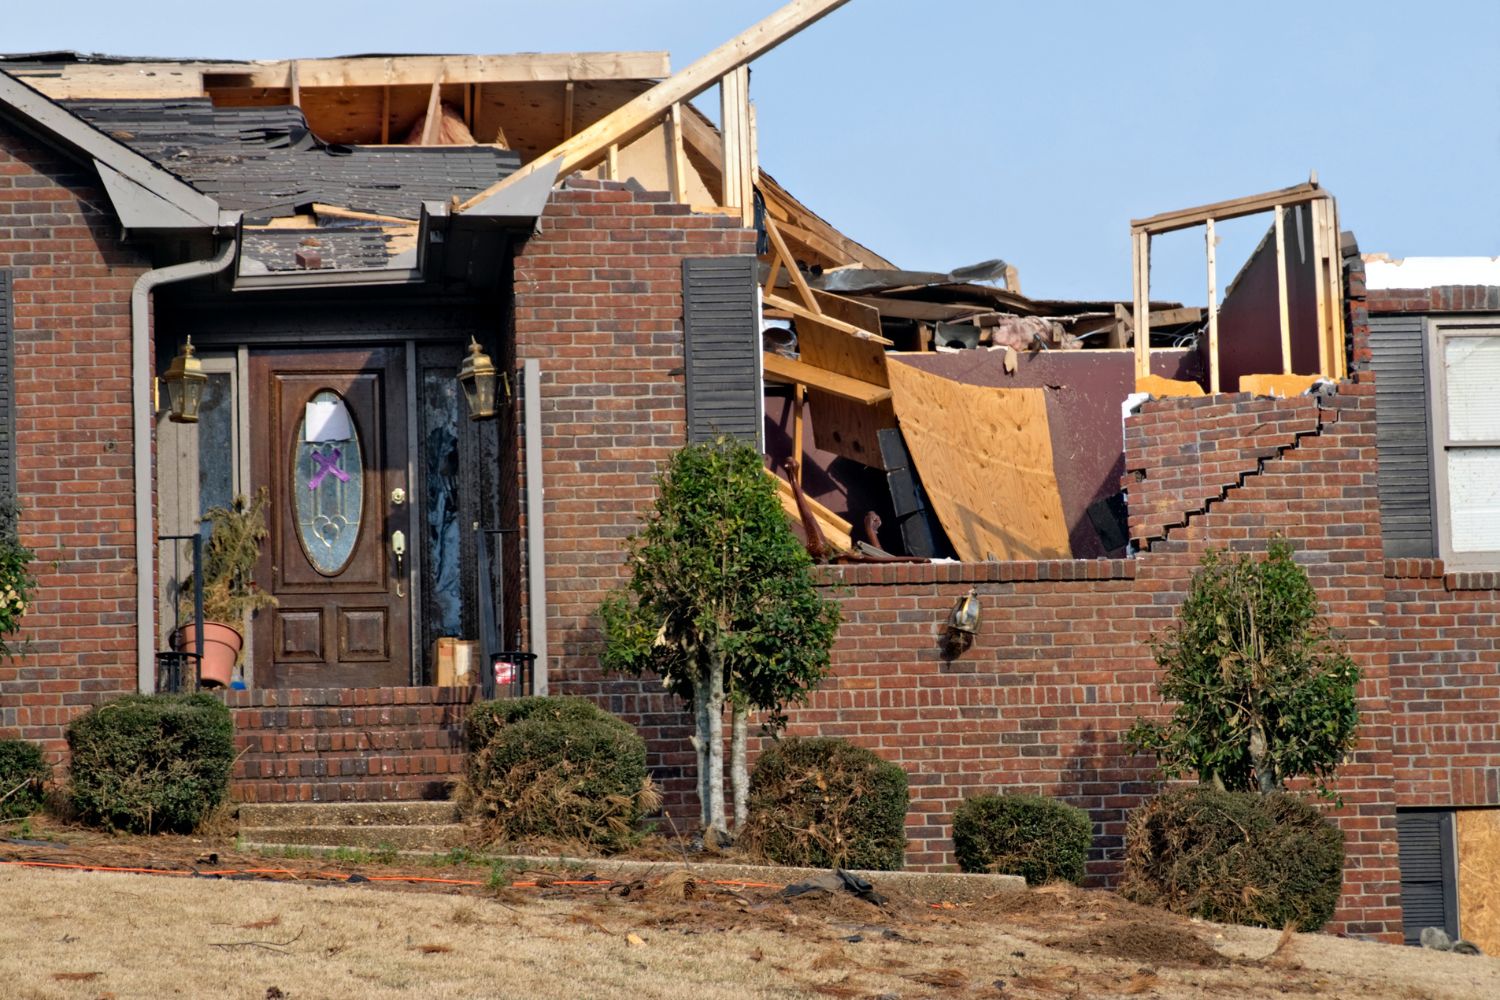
x=347, y=744
x=1184, y=454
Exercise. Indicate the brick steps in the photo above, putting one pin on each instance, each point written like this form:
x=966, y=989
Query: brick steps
x=412, y=827
x=347, y=745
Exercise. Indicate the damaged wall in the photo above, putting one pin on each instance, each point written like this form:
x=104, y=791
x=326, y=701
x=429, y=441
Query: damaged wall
x=1061, y=666
x=1085, y=390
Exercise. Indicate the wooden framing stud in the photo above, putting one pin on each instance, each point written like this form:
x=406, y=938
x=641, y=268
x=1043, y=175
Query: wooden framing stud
x=612, y=163
x=567, y=122
x=779, y=247
x=677, y=166
x=1283, y=310
x=798, y=394
x=1211, y=243
x=385, y=115
x=294, y=84
x=1142, y=317
x=431, y=127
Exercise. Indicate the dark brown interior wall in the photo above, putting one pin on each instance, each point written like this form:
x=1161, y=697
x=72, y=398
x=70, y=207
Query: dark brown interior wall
x=1250, y=317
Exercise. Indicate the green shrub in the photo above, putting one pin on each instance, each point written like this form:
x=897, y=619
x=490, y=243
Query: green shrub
x=825, y=803
x=1235, y=857
x=151, y=763
x=1038, y=838
x=1263, y=692
x=556, y=768
x=23, y=778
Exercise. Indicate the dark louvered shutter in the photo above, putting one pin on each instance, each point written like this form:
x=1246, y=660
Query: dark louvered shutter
x=720, y=313
x=1429, y=890
x=1403, y=434
x=7, y=405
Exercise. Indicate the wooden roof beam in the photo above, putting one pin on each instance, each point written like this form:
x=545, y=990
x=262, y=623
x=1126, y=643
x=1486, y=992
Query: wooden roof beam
x=639, y=116
x=1184, y=218
x=187, y=79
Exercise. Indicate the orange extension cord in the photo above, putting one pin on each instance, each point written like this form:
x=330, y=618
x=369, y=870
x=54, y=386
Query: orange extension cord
x=351, y=877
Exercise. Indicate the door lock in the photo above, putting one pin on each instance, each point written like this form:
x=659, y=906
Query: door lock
x=398, y=549
x=398, y=497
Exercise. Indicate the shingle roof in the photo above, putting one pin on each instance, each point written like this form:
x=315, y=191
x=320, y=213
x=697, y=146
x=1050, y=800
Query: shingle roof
x=265, y=162
x=336, y=249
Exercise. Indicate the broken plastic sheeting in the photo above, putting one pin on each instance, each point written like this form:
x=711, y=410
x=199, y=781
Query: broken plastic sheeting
x=858, y=280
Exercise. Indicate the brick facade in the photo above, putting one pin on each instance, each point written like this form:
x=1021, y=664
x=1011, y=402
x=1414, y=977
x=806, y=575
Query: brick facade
x=598, y=299
x=1061, y=666
x=73, y=439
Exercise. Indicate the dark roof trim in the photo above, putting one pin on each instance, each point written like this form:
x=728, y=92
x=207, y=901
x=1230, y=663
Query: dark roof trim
x=520, y=203
x=149, y=195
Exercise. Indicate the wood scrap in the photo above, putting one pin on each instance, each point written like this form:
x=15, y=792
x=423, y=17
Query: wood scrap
x=782, y=369
x=1163, y=388
x=1284, y=386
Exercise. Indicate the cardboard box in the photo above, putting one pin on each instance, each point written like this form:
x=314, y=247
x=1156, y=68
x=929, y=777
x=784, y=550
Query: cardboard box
x=453, y=661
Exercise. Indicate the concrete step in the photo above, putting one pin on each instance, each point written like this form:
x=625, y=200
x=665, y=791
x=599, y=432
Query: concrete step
x=255, y=815
x=433, y=838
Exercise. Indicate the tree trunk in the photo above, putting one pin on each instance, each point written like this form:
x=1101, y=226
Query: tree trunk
x=715, y=699
x=700, y=746
x=739, y=770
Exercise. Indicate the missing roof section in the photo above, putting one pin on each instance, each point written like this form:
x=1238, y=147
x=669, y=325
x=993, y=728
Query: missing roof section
x=266, y=163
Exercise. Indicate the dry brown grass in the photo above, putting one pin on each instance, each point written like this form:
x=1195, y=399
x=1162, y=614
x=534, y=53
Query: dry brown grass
x=82, y=936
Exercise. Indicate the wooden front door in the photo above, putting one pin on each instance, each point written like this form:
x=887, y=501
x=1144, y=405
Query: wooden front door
x=328, y=439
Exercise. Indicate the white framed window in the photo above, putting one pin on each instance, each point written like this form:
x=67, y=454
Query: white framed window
x=1465, y=365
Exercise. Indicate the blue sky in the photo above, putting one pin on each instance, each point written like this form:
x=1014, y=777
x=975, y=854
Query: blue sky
x=944, y=132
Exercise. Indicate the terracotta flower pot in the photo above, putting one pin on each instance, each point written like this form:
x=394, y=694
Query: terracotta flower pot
x=221, y=648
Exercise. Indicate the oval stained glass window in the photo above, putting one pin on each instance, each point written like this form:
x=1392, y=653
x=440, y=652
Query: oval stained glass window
x=328, y=482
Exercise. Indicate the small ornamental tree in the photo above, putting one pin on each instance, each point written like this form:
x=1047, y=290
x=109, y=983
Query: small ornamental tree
x=721, y=603
x=1264, y=693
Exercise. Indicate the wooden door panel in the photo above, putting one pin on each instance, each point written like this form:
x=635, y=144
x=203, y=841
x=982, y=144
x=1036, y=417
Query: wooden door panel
x=343, y=616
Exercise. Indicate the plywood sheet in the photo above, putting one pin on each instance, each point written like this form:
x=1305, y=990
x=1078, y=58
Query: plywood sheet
x=848, y=429
x=985, y=458
x=823, y=346
x=1479, y=878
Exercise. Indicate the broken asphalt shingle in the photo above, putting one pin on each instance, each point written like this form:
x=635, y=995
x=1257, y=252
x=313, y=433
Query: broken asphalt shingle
x=265, y=162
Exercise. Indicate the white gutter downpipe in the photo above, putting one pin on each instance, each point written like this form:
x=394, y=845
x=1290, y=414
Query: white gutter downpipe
x=141, y=408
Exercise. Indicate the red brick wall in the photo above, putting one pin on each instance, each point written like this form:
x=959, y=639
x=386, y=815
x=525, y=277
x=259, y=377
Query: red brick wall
x=72, y=281
x=1444, y=644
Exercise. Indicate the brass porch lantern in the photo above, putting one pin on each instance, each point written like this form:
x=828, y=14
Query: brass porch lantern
x=964, y=617
x=961, y=627
x=478, y=377
x=185, y=381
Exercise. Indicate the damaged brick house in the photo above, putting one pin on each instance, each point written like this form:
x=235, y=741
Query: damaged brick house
x=328, y=232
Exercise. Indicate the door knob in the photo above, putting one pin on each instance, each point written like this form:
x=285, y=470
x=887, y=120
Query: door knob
x=398, y=549
x=398, y=497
